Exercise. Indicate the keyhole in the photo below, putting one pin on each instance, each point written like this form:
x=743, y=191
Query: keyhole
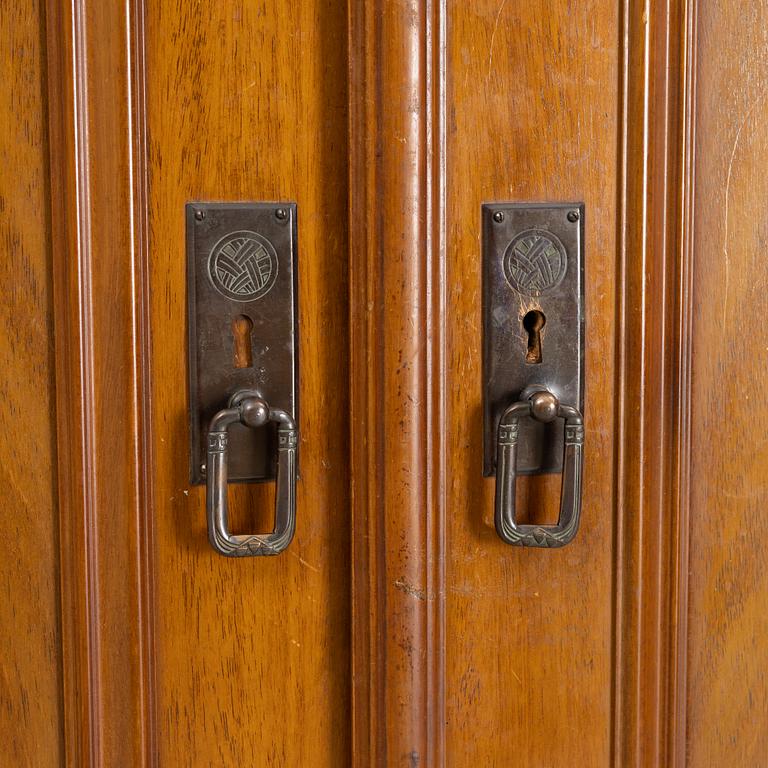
x=242, y=326
x=533, y=322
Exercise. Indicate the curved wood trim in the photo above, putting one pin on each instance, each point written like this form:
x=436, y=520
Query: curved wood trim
x=97, y=139
x=397, y=178
x=656, y=216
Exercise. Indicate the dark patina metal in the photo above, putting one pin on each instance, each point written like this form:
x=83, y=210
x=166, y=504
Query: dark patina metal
x=247, y=409
x=541, y=406
x=533, y=260
x=241, y=262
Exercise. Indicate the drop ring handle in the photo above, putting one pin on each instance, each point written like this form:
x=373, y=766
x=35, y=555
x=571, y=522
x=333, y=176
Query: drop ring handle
x=247, y=408
x=542, y=406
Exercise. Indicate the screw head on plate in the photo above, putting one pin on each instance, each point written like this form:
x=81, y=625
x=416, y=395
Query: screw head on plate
x=498, y=217
x=281, y=213
x=573, y=216
x=199, y=215
x=544, y=406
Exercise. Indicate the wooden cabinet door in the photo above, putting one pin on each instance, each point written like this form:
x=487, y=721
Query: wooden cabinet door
x=397, y=629
x=641, y=643
x=175, y=655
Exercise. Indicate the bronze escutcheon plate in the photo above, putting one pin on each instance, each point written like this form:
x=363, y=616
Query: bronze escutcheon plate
x=533, y=321
x=242, y=324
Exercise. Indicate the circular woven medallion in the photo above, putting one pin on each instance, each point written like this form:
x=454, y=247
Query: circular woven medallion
x=243, y=266
x=534, y=262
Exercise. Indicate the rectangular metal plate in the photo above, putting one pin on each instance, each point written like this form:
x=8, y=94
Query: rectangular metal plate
x=533, y=259
x=241, y=261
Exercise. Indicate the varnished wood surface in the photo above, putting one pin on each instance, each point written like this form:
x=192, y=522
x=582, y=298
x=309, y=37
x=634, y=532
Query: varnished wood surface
x=727, y=696
x=652, y=438
x=554, y=657
x=248, y=102
x=105, y=505
x=465, y=651
x=398, y=432
x=31, y=723
x=532, y=99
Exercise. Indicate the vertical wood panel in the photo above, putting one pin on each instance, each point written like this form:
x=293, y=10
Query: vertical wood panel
x=97, y=203
x=727, y=697
x=653, y=441
x=553, y=657
x=533, y=107
x=31, y=722
x=596, y=108
x=397, y=359
x=247, y=101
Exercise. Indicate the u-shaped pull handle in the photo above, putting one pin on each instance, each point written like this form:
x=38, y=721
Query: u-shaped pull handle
x=252, y=411
x=542, y=406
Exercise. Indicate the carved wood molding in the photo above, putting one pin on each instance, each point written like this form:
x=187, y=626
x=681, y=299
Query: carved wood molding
x=397, y=398
x=658, y=91
x=97, y=140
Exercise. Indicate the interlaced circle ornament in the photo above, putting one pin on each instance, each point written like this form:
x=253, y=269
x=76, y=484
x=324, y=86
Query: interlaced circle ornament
x=534, y=262
x=243, y=266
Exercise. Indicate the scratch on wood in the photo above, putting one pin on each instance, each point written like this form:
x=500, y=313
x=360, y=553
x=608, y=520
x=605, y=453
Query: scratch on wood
x=419, y=594
x=304, y=562
x=493, y=38
x=726, y=258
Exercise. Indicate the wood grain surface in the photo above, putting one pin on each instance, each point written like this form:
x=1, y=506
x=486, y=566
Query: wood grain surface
x=533, y=116
x=31, y=724
x=397, y=400
x=247, y=101
x=98, y=203
x=727, y=648
x=652, y=436
x=397, y=629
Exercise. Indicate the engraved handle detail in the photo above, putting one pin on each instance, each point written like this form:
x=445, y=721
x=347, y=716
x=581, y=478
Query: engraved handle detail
x=252, y=411
x=542, y=406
